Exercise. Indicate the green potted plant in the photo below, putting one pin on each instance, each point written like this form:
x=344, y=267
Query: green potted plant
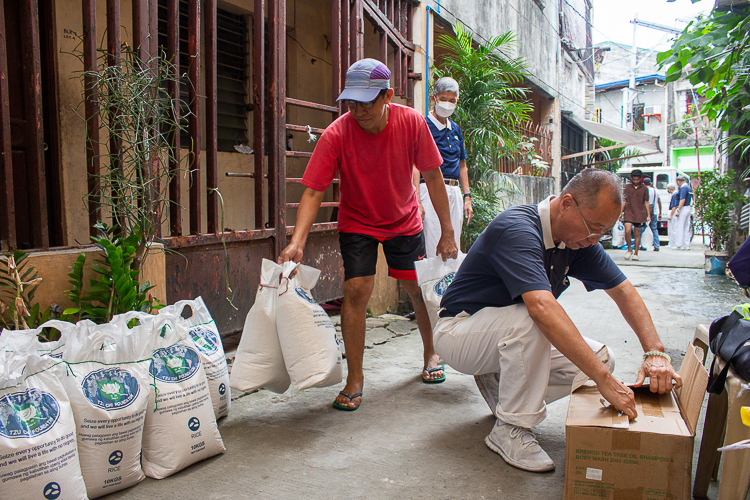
x=715, y=202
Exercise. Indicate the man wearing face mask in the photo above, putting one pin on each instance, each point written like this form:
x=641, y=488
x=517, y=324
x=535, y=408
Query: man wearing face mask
x=450, y=142
x=500, y=320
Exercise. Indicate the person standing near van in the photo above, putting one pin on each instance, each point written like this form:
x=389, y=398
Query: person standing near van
x=636, y=212
x=683, y=234
x=653, y=201
x=673, y=204
x=450, y=143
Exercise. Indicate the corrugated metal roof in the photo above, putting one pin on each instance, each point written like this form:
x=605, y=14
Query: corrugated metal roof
x=625, y=83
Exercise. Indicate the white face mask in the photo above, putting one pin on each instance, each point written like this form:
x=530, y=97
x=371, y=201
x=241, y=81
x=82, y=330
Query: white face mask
x=444, y=109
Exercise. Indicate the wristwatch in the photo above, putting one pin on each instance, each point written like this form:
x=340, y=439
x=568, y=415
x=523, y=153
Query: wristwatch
x=467, y=195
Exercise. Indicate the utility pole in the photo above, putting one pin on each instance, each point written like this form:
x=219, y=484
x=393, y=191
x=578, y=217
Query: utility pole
x=630, y=93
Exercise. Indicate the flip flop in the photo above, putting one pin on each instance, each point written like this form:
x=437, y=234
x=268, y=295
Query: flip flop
x=341, y=407
x=431, y=371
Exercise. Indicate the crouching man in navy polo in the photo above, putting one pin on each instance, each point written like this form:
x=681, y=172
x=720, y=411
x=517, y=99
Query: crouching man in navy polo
x=500, y=320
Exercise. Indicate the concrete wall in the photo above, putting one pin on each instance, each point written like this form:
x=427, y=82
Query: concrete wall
x=523, y=189
x=53, y=267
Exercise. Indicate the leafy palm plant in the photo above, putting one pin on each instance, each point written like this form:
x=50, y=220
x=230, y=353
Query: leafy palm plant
x=491, y=110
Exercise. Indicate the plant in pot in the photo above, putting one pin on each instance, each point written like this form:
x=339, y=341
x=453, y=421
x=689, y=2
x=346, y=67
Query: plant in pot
x=715, y=202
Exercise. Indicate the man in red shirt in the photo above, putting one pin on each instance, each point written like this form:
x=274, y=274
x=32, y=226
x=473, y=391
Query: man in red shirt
x=374, y=148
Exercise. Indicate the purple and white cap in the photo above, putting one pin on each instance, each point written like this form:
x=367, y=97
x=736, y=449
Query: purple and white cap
x=365, y=79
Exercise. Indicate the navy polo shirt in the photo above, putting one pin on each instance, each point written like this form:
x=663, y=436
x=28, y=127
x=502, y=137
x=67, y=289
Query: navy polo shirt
x=515, y=254
x=686, y=193
x=450, y=143
x=674, y=202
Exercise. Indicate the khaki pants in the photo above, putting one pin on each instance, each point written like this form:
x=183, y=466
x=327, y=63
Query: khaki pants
x=506, y=340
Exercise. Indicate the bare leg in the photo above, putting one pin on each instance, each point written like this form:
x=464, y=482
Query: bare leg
x=628, y=228
x=357, y=293
x=425, y=330
x=637, y=239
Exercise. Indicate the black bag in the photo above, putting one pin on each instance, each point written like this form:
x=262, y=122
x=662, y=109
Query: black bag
x=727, y=338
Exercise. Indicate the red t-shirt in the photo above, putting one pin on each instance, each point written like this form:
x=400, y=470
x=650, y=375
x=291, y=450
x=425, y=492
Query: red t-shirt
x=377, y=194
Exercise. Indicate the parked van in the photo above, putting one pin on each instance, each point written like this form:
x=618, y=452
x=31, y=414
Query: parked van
x=660, y=177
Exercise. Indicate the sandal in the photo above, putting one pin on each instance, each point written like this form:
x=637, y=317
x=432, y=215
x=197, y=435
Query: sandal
x=430, y=371
x=341, y=407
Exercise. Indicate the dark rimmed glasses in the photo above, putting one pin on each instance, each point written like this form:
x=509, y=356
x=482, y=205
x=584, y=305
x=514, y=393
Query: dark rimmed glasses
x=590, y=236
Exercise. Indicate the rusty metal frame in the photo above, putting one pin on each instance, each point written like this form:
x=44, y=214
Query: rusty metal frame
x=212, y=139
x=91, y=96
x=7, y=206
x=277, y=148
x=173, y=88
x=29, y=13
x=259, y=78
x=194, y=121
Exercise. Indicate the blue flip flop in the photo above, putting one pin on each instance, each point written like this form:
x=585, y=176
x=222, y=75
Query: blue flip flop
x=433, y=370
x=341, y=407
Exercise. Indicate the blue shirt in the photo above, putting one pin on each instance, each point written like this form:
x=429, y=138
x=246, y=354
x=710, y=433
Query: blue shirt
x=686, y=193
x=450, y=143
x=515, y=254
x=675, y=201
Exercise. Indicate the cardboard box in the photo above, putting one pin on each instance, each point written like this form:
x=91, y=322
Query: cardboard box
x=647, y=458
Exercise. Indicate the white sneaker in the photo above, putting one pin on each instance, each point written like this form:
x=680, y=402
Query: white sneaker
x=518, y=446
x=489, y=387
x=635, y=257
x=628, y=254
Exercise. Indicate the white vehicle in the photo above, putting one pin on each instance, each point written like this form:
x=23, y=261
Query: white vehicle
x=660, y=177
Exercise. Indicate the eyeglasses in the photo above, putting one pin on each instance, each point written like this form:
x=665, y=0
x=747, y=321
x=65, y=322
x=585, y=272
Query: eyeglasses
x=366, y=105
x=590, y=236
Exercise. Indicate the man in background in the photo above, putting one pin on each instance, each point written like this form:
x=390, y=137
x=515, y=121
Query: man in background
x=635, y=212
x=683, y=232
x=653, y=201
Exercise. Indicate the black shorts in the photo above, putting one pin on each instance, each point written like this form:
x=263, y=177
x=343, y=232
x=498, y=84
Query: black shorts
x=636, y=224
x=360, y=255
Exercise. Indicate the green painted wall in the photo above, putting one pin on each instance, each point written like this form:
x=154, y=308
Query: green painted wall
x=677, y=153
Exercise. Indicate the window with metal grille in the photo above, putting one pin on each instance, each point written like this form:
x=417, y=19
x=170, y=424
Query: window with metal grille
x=233, y=96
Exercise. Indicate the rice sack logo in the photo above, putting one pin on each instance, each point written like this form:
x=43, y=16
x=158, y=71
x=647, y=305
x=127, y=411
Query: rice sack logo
x=305, y=295
x=27, y=414
x=204, y=339
x=174, y=364
x=110, y=388
x=442, y=285
x=115, y=457
x=51, y=491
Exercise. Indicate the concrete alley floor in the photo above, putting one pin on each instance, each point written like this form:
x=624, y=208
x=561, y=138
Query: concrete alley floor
x=413, y=440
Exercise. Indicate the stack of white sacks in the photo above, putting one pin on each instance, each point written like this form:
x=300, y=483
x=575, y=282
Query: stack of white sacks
x=106, y=405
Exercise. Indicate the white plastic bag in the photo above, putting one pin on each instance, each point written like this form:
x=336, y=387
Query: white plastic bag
x=259, y=363
x=618, y=234
x=647, y=237
x=107, y=380
x=23, y=340
x=38, y=452
x=433, y=277
x=205, y=336
x=306, y=334
x=180, y=423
